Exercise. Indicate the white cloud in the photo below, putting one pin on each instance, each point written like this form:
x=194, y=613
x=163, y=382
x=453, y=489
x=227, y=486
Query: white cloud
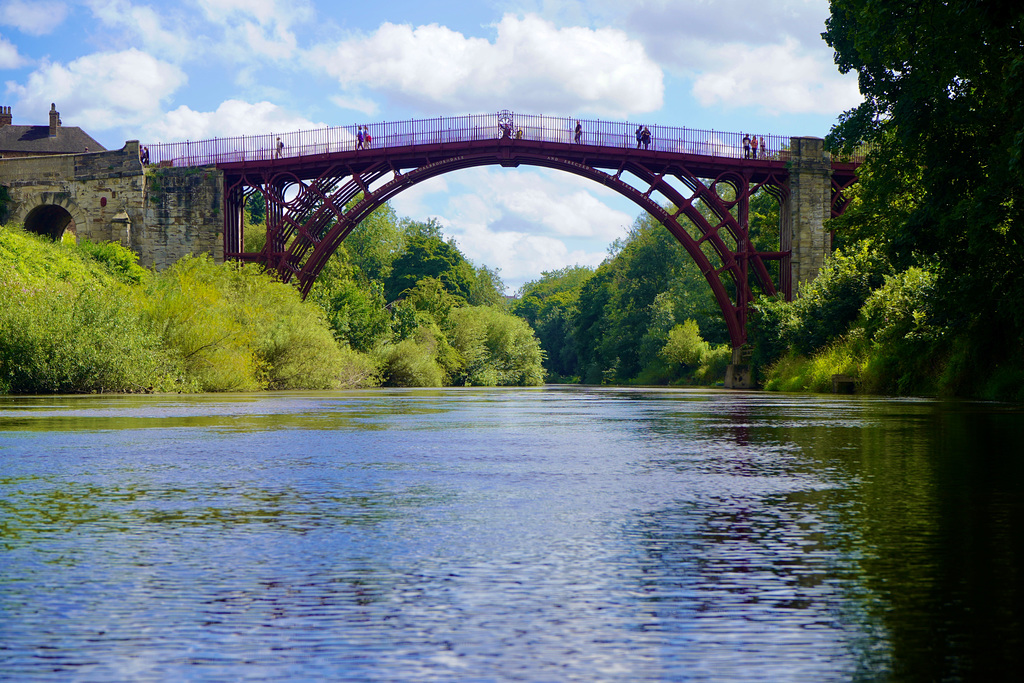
x=683, y=37
x=257, y=27
x=231, y=118
x=103, y=90
x=143, y=25
x=9, y=56
x=355, y=103
x=776, y=78
x=35, y=18
x=531, y=65
x=265, y=12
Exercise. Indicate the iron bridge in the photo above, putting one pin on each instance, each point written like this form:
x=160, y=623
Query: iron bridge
x=319, y=184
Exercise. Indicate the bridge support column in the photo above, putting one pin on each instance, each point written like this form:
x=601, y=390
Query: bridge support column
x=737, y=373
x=804, y=214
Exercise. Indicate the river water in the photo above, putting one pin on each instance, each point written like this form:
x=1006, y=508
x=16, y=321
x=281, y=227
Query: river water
x=551, y=534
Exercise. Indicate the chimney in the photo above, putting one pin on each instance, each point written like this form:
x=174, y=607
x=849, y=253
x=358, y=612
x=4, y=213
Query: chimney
x=6, y=118
x=54, y=120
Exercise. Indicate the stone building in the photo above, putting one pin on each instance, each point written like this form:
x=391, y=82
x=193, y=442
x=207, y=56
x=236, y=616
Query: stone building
x=33, y=141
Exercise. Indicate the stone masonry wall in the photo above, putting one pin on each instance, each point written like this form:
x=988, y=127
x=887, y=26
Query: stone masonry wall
x=182, y=215
x=809, y=205
x=100, y=190
x=161, y=213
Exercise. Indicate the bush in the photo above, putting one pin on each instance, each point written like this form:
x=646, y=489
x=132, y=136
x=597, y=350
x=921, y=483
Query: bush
x=235, y=328
x=65, y=341
x=410, y=363
x=121, y=262
x=830, y=303
x=497, y=348
x=685, y=345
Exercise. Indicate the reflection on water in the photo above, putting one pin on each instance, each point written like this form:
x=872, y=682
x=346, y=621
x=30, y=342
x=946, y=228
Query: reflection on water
x=546, y=534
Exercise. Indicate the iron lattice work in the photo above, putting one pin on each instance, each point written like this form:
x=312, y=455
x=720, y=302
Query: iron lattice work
x=319, y=185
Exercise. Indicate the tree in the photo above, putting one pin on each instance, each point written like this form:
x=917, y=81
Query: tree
x=376, y=242
x=487, y=288
x=550, y=306
x=426, y=255
x=943, y=83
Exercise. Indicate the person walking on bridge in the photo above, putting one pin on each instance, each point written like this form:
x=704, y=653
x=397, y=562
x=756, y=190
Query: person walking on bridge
x=753, y=147
x=280, y=148
x=579, y=132
x=639, y=136
x=746, y=146
x=360, y=139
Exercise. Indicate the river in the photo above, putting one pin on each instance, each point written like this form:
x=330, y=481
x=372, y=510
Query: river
x=549, y=534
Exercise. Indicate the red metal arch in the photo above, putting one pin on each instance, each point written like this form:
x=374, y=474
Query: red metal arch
x=304, y=229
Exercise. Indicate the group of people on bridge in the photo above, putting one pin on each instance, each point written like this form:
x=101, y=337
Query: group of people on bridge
x=751, y=145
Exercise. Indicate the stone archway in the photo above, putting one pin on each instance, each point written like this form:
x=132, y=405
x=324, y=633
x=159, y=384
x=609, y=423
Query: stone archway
x=50, y=220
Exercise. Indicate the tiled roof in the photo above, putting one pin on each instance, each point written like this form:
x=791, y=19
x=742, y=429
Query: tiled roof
x=37, y=140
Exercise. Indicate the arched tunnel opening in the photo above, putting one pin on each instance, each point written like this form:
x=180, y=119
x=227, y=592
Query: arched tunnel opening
x=49, y=220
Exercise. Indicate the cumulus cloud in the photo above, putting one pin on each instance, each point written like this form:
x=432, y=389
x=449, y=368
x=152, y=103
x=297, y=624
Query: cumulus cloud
x=102, y=90
x=745, y=52
x=257, y=27
x=9, y=56
x=530, y=65
x=776, y=78
x=144, y=26
x=37, y=18
x=231, y=118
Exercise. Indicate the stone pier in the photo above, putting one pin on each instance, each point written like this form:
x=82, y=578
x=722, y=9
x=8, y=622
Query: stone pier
x=802, y=232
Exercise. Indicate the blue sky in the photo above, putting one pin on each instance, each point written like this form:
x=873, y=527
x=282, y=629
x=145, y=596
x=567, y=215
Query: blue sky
x=194, y=69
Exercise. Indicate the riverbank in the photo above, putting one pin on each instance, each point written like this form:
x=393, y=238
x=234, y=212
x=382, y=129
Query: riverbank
x=86, y=318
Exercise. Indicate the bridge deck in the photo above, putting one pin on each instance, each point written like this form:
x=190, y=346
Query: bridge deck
x=408, y=144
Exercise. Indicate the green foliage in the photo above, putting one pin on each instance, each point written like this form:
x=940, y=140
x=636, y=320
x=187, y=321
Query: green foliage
x=429, y=256
x=624, y=312
x=899, y=310
x=256, y=209
x=376, y=242
x=411, y=363
x=234, y=328
x=829, y=304
x=121, y=262
x=497, y=349
x=355, y=308
x=430, y=296
x=36, y=261
x=794, y=372
x=892, y=347
x=685, y=345
x=550, y=306
x=487, y=289
x=688, y=359
x=67, y=339
x=939, y=200
x=943, y=109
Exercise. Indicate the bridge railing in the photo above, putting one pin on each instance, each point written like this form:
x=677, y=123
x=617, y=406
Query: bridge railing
x=458, y=129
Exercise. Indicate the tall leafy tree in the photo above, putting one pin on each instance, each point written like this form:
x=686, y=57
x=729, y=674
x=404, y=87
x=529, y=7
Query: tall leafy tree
x=427, y=255
x=943, y=86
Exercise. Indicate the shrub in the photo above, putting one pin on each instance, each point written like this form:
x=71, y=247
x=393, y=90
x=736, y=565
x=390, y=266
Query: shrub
x=685, y=345
x=497, y=348
x=65, y=341
x=410, y=363
x=830, y=303
x=235, y=328
x=121, y=262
